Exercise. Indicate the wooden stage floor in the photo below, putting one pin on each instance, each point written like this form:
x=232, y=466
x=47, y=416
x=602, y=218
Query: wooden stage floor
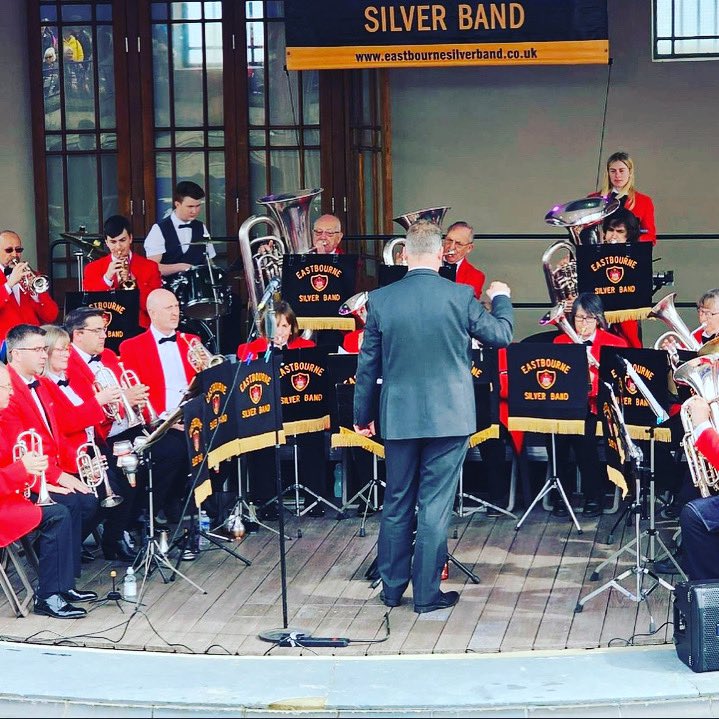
x=530, y=583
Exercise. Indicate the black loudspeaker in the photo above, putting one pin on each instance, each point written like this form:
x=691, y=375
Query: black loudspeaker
x=696, y=624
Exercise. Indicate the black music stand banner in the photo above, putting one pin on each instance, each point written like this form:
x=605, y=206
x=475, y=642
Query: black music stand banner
x=304, y=391
x=346, y=436
x=193, y=419
x=621, y=274
x=654, y=369
x=316, y=286
x=615, y=451
x=342, y=370
x=485, y=378
x=123, y=307
x=548, y=387
x=391, y=273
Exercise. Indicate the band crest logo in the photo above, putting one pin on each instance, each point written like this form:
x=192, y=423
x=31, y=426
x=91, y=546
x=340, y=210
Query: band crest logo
x=319, y=282
x=630, y=386
x=255, y=393
x=216, y=403
x=195, y=434
x=546, y=378
x=615, y=274
x=300, y=380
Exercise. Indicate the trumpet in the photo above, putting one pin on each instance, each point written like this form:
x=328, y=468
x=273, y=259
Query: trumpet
x=31, y=282
x=128, y=379
x=104, y=379
x=31, y=441
x=92, y=468
x=199, y=356
x=127, y=281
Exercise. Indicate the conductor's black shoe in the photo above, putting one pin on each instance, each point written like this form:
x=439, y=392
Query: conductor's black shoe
x=592, y=508
x=446, y=599
x=76, y=595
x=118, y=551
x=390, y=601
x=55, y=606
x=666, y=566
x=560, y=511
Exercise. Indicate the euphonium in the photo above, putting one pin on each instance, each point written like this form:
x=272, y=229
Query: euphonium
x=31, y=282
x=583, y=220
x=392, y=251
x=105, y=378
x=199, y=356
x=31, y=441
x=678, y=335
x=92, y=469
x=704, y=475
x=558, y=318
x=701, y=374
x=129, y=378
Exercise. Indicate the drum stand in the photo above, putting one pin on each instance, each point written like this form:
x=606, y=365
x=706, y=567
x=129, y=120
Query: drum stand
x=553, y=482
x=369, y=495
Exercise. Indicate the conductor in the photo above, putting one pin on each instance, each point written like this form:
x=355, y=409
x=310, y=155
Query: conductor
x=417, y=339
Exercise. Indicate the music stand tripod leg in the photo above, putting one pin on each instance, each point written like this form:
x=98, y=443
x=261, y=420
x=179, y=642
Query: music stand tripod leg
x=247, y=510
x=463, y=568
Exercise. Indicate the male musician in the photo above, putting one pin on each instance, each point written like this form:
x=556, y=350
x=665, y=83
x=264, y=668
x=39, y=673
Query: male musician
x=457, y=244
x=19, y=515
x=32, y=407
x=426, y=408
x=708, y=310
x=327, y=235
x=177, y=243
x=121, y=265
x=159, y=357
x=16, y=305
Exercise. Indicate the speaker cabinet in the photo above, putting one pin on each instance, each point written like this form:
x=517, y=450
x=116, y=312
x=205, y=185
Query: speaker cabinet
x=696, y=624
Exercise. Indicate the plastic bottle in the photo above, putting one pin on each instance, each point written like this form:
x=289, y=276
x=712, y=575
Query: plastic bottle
x=204, y=527
x=338, y=480
x=129, y=585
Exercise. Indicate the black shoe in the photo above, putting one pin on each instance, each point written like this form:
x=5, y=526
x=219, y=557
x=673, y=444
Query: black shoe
x=118, y=551
x=446, y=599
x=86, y=556
x=389, y=601
x=671, y=511
x=76, y=595
x=592, y=508
x=317, y=511
x=161, y=518
x=55, y=606
x=666, y=566
x=560, y=511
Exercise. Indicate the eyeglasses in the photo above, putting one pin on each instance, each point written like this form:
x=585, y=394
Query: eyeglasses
x=448, y=242
x=38, y=350
x=95, y=330
x=707, y=313
x=584, y=318
x=329, y=233
x=10, y=250
x=59, y=349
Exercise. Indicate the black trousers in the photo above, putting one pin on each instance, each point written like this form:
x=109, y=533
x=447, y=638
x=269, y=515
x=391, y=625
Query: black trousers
x=55, y=551
x=700, y=548
x=495, y=476
x=84, y=516
x=170, y=468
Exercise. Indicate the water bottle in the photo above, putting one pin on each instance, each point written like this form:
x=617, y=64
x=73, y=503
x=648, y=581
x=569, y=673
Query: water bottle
x=129, y=585
x=204, y=527
x=338, y=480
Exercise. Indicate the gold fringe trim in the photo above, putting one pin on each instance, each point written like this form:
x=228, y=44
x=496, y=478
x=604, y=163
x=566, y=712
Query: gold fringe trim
x=491, y=432
x=303, y=426
x=350, y=438
x=244, y=445
x=616, y=477
x=326, y=323
x=203, y=492
x=661, y=434
x=556, y=426
x=641, y=313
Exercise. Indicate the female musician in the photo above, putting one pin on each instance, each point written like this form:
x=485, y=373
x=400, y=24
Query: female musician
x=587, y=318
x=619, y=181
x=286, y=334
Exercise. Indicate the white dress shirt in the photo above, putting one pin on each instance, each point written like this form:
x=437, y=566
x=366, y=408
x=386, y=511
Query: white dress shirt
x=39, y=404
x=155, y=240
x=172, y=369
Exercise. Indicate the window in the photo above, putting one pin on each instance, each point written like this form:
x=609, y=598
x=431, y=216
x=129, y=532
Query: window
x=686, y=29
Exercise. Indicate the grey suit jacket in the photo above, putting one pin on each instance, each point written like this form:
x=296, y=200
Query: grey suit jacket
x=417, y=339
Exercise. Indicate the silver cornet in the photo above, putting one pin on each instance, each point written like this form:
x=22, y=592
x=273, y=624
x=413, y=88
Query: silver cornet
x=92, y=468
x=104, y=379
x=199, y=356
x=31, y=441
x=31, y=282
x=128, y=379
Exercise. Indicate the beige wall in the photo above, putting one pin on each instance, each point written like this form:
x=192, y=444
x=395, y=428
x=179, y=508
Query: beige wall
x=18, y=212
x=501, y=145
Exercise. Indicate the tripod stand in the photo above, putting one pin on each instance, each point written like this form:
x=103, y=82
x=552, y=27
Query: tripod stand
x=552, y=482
x=462, y=495
x=369, y=495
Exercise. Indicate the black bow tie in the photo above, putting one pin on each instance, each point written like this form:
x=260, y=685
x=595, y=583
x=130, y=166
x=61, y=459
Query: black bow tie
x=63, y=383
x=172, y=338
x=180, y=227
x=34, y=384
x=95, y=358
x=588, y=343
x=8, y=271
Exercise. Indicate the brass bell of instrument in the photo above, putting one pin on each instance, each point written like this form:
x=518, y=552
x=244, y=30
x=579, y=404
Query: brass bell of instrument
x=235, y=526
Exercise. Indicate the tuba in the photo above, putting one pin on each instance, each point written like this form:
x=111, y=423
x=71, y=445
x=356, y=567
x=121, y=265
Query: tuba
x=31, y=441
x=199, y=356
x=583, y=219
x=392, y=251
x=678, y=335
x=31, y=282
x=92, y=469
x=290, y=232
x=558, y=318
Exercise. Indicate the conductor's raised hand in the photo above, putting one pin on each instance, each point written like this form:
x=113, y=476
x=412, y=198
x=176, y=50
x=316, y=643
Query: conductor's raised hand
x=498, y=288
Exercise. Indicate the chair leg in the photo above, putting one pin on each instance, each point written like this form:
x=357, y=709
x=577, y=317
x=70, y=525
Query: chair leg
x=20, y=607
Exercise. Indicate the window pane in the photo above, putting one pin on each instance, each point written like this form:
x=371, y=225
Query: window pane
x=51, y=77
x=257, y=138
x=159, y=11
x=103, y=12
x=163, y=139
x=80, y=142
x=190, y=138
x=275, y=8
x=187, y=81
x=311, y=97
x=216, y=193
x=284, y=137
x=191, y=166
x=312, y=173
x=282, y=88
x=77, y=66
x=75, y=13
x=53, y=142
x=163, y=184
x=258, y=178
x=48, y=13
x=254, y=8
x=160, y=74
x=110, y=203
x=106, y=77
x=285, y=171
x=215, y=138
x=82, y=191
x=55, y=196
x=186, y=10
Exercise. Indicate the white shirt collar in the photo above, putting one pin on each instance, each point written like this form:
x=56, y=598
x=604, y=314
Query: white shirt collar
x=85, y=356
x=158, y=335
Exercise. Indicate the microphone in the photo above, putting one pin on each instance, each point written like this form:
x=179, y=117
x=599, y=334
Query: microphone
x=272, y=287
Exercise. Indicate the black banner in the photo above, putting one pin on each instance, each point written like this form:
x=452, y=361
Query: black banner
x=616, y=451
x=193, y=418
x=123, y=307
x=326, y=34
x=304, y=390
x=621, y=274
x=342, y=369
x=548, y=387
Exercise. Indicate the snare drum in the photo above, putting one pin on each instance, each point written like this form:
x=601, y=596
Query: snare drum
x=205, y=299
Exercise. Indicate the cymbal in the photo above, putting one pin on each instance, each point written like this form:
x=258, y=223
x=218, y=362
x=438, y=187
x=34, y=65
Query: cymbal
x=210, y=241
x=82, y=237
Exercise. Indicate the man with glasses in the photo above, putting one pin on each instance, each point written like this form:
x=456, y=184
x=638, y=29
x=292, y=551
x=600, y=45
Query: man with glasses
x=457, y=244
x=708, y=310
x=32, y=407
x=327, y=235
x=17, y=306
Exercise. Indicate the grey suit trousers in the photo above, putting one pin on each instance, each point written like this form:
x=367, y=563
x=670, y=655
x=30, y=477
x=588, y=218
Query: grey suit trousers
x=421, y=473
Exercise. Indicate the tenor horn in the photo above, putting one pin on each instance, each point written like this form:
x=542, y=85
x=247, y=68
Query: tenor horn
x=289, y=232
x=583, y=220
x=92, y=470
x=392, y=251
x=31, y=441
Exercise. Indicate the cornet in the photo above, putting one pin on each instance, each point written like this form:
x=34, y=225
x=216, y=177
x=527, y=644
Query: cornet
x=104, y=379
x=92, y=468
x=127, y=281
x=31, y=282
x=128, y=379
x=31, y=441
x=199, y=356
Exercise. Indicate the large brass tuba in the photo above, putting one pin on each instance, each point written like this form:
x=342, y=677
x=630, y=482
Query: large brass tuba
x=290, y=232
x=583, y=219
x=679, y=335
x=392, y=251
